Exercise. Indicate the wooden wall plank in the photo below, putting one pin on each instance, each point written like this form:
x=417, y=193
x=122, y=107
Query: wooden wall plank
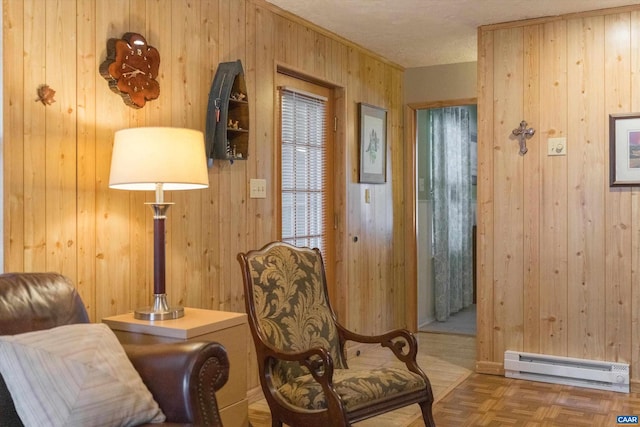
x=356, y=216
x=139, y=214
x=209, y=51
x=239, y=178
x=338, y=63
x=35, y=144
x=322, y=61
x=399, y=205
x=340, y=55
x=586, y=198
x=553, y=174
x=305, y=43
x=148, y=19
x=284, y=44
x=411, y=222
x=113, y=287
x=13, y=135
x=223, y=168
x=485, y=208
x=508, y=190
x=250, y=233
x=86, y=128
x=617, y=98
x=60, y=128
x=531, y=188
x=264, y=212
x=188, y=110
x=635, y=202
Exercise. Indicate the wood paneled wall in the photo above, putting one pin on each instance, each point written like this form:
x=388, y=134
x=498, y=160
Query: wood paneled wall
x=61, y=216
x=559, y=251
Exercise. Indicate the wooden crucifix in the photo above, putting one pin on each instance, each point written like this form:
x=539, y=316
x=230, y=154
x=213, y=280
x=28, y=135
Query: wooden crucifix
x=522, y=133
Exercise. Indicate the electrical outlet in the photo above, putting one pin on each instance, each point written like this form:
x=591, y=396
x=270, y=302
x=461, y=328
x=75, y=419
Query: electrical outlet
x=258, y=188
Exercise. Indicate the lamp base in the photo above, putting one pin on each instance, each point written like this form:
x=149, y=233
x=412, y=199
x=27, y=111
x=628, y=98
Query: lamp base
x=160, y=310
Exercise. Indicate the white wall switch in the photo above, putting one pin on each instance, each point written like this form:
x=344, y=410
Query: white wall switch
x=557, y=146
x=258, y=188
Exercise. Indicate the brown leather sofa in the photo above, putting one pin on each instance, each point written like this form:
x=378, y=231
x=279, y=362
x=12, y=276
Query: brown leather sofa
x=182, y=377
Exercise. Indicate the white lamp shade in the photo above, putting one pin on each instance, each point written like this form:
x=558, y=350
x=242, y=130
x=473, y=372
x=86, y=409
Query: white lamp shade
x=145, y=156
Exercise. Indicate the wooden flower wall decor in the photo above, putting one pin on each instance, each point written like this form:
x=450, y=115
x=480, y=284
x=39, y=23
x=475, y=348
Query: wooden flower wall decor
x=45, y=95
x=131, y=69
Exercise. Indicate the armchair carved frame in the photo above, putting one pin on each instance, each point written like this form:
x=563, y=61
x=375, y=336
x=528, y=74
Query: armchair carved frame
x=300, y=347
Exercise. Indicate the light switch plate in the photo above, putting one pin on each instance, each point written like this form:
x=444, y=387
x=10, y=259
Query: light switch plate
x=557, y=146
x=258, y=188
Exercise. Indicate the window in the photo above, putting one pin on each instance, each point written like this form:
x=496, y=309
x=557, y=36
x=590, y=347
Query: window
x=304, y=183
x=308, y=162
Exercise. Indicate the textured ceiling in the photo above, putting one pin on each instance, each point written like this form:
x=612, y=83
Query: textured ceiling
x=419, y=33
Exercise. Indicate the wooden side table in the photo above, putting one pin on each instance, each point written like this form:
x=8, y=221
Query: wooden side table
x=229, y=329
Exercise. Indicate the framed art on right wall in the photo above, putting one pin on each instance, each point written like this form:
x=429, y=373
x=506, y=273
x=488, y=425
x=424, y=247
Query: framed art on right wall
x=373, y=144
x=624, y=149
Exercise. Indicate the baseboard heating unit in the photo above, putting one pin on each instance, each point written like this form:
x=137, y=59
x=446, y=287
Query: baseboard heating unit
x=610, y=376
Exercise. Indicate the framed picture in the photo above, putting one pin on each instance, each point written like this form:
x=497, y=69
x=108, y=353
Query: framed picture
x=624, y=150
x=373, y=144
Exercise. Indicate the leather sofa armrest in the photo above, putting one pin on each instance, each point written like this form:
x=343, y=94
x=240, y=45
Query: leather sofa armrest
x=183, y=378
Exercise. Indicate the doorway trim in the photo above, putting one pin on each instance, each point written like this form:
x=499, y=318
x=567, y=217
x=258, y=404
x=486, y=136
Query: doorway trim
x=410, y=174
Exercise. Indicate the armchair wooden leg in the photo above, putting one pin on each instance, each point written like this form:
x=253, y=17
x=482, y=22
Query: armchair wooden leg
x=427, y=414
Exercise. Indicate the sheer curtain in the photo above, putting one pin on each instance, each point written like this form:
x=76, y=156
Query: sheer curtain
x=452, y=210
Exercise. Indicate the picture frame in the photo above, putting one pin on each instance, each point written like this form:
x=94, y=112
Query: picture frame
x=624, y=150
x=373, y=144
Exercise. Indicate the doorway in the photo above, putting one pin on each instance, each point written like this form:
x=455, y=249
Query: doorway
x=446, y=176
x=310, y=170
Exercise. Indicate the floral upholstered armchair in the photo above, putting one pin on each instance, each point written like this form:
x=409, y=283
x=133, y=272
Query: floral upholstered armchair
x=300, y=347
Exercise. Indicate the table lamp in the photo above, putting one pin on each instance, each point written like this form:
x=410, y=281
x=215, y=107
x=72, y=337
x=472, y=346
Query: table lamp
x=158, y=159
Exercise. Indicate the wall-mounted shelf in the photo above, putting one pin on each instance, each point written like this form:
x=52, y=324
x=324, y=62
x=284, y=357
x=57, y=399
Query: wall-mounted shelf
x=227, y=132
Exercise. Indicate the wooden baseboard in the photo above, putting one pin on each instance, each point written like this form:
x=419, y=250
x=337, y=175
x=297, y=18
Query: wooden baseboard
x=254, y=394
x=490, y=368
x=236, y=415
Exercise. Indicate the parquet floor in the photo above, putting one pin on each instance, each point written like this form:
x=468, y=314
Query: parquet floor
x=466, y=399
x=444, y=374
x=488, y=400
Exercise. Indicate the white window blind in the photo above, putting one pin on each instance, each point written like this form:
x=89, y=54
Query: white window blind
x=303, y=174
